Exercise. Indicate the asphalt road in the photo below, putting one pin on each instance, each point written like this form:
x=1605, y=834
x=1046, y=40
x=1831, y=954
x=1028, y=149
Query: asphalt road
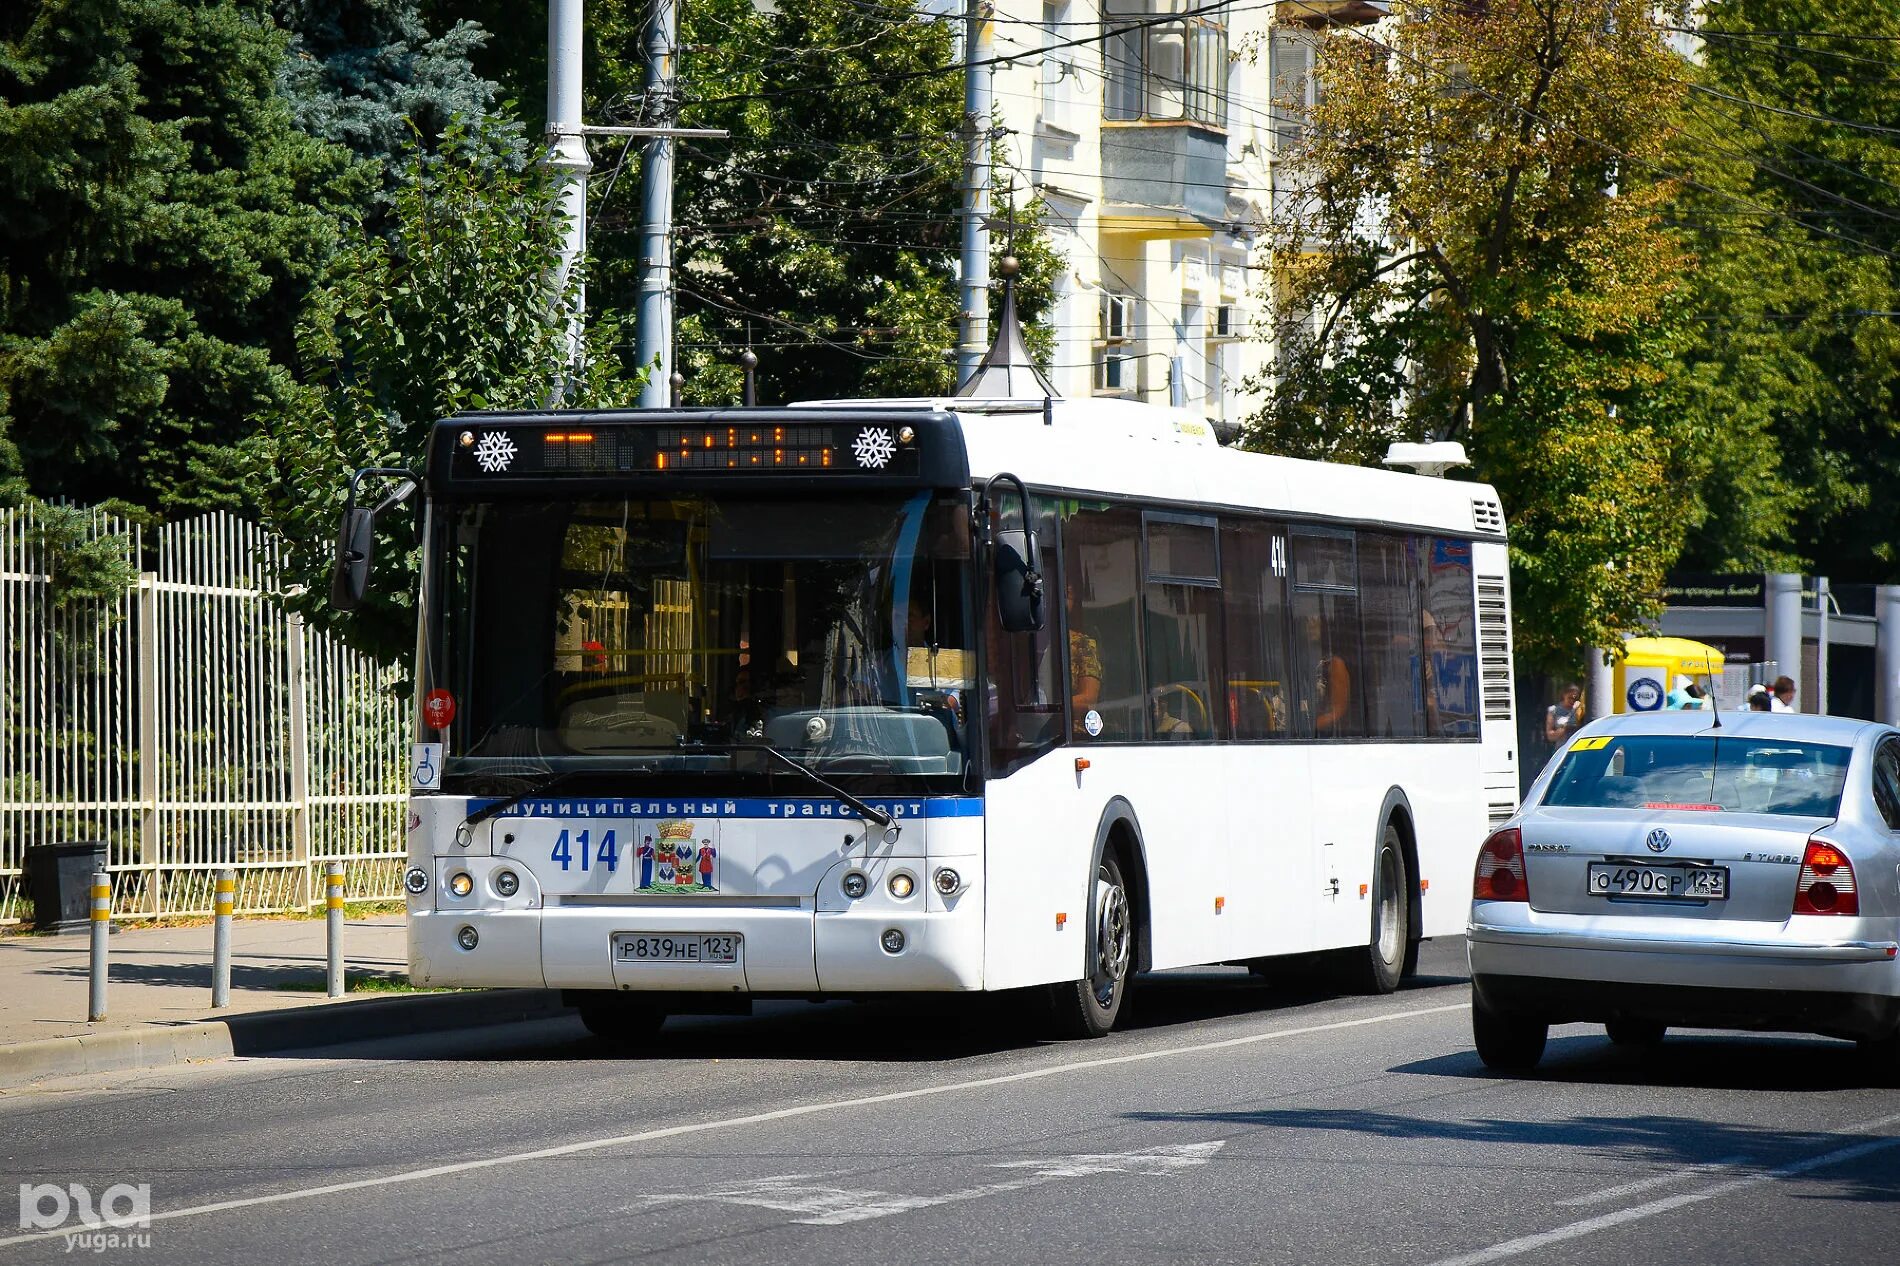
x=1234, y=1122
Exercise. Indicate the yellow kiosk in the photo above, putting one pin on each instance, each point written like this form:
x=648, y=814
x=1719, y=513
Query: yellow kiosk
x=1648, y=667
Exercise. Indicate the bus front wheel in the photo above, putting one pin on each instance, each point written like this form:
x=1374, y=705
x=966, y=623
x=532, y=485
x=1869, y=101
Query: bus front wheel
x=1090, y=1007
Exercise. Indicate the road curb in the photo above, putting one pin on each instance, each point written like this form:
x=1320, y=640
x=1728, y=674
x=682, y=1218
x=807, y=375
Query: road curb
x=271, y=1032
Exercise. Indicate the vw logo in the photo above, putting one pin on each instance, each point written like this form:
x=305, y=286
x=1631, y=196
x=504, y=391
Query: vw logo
x=1658, y=841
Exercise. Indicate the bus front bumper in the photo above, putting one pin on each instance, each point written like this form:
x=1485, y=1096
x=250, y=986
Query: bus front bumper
x=793, y=949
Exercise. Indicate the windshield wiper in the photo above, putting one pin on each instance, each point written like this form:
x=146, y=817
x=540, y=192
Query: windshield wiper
x=506, y=803
x=849, y=801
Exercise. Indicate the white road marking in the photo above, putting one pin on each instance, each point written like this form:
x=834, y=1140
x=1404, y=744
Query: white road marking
x=1660, y=1180
x=756, y=1118
x=835, y=1206
x=1529, y=1243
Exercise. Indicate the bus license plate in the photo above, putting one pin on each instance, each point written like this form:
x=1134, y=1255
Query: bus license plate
x=680, y=947
x=1659, y=883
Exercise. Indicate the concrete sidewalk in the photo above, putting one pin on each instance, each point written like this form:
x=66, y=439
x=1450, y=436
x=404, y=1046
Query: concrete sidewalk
x=159, y=996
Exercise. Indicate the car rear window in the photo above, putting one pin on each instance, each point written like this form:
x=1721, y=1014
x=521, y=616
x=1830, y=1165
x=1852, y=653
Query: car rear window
x=1707, y=772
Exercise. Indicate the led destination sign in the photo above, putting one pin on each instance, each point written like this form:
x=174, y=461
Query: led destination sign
x=770, y=447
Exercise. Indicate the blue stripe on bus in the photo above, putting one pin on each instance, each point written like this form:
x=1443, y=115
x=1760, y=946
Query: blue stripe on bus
x=778, y=808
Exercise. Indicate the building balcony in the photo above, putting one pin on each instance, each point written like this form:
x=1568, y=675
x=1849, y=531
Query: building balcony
x=1171, y=173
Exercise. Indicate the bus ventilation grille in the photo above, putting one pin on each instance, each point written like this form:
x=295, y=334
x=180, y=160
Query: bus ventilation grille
x=1487, y=515
x=1500, y=811
x=1494, y=647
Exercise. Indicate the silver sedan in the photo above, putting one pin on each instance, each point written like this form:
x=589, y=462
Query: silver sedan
x=1669, y=870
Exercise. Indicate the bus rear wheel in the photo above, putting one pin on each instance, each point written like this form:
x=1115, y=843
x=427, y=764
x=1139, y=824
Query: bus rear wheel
x=1091, y=1006
x=1380, y=966
x=619, y=1021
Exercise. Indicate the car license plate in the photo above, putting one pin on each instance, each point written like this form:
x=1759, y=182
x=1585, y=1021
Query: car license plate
x=1659, y=883
x=676, y=947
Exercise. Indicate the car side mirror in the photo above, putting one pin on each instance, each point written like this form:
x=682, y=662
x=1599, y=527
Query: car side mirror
x=1018, y=583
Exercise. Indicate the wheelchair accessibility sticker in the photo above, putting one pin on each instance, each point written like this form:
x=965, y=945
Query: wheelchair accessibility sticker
x=425, y=766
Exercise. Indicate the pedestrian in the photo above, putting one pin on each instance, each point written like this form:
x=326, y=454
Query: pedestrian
x=1784, y=695
x=1562, y=718
x=1759, y=700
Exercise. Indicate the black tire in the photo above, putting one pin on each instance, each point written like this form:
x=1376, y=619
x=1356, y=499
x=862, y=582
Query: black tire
x=1641, y=1034
x=1380, y=966
x=1506, y=1043
x=621, y=1022
x=1091, y=1006
x=1882, y=1058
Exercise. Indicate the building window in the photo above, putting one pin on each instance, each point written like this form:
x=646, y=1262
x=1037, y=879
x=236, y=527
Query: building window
x=1164, y=71
x=1290, y=55
x=1059, y=73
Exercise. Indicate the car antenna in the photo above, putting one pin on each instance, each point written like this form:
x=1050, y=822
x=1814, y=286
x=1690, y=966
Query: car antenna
x=1715, y=707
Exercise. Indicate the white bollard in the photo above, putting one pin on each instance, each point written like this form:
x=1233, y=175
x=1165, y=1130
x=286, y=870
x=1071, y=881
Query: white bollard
x=221, y=939
x=333, y=915
x=101, y=930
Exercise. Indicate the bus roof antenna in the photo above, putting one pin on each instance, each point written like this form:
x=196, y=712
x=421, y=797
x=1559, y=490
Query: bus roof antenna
x=1007, y=371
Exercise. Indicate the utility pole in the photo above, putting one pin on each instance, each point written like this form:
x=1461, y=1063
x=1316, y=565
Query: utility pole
x=653, y=329
x=973, y=335
x=568, y=157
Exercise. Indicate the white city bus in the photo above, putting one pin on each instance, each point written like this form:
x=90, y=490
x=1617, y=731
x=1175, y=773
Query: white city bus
x=719, y=705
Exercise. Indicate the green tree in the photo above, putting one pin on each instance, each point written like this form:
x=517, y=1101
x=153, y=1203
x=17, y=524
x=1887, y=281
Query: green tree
x=454, y=308
x=824, y=232
x=1450, y=263
x=368, y=75
x=160, y=217
x=1794, y=214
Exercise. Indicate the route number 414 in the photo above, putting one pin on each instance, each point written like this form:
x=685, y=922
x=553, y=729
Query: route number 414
x=573, y=847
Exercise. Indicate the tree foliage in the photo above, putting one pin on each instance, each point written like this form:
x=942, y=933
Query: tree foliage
x=454, y=308
x=161, y=215
x=1794, y=214
x=1451, y=262
x=824, y=232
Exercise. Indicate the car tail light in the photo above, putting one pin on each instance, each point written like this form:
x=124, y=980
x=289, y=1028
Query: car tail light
x=1500, y=874
x=1826, y=882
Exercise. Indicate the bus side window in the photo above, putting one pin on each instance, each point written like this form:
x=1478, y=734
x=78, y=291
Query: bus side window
x=1101, y=570
x=1024, y=698
x=1253, y=584
x=1388, y=603
x=1328, y=667
x=1182, y=636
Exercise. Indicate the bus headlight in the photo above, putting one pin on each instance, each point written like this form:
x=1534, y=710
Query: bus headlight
x=467, y=937
x=461, y=883
x=902, y=885
x=507, y=883
x=948, y=882
x=416, y=880
x=855, y=884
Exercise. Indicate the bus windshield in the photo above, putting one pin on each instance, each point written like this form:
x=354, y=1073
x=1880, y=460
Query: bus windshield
x=662, y=633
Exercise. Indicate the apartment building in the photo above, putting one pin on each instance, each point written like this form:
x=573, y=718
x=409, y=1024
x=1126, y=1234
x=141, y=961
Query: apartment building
x=1153, y=149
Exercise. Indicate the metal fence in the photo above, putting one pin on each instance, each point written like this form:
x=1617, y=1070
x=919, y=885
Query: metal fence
x=192, y=724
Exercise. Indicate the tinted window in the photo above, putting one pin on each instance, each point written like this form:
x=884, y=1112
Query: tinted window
x=1327, y=669
x=1887, y=782
x=1101, y=557
x=1182, y=609
x=1025, y=668
x=1253, y=587
x=1388, y=606
x=1448, y=628
x=1679, y=771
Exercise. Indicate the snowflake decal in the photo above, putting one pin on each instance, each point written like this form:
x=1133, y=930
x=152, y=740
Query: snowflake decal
x=494, y=452
x=874, y=447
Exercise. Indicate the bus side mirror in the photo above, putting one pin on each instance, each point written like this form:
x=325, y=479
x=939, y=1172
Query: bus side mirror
x=356, y=536
x=355, y=549
x=1018, y=583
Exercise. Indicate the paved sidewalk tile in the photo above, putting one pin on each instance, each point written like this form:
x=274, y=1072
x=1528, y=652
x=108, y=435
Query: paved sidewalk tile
x=163, y=975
